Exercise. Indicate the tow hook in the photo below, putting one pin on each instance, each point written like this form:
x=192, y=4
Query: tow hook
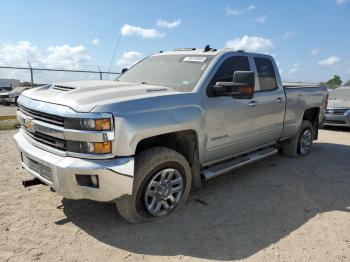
x=32, y=182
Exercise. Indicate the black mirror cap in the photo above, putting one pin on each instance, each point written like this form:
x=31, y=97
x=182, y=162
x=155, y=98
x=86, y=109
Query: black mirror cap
x=246, y=80
x=124, y=70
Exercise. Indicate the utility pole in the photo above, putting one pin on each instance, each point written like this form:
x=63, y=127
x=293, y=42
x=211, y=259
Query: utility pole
x=31, y=75
x=99, y=69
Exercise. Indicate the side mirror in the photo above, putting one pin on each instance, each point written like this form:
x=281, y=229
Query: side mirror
x=242, y=86
x=124, y=70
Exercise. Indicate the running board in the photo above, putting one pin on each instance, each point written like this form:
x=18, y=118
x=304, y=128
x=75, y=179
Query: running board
x=225, y=167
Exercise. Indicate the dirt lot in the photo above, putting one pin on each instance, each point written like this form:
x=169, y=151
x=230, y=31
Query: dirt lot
x=8, y=110
x=279, y=209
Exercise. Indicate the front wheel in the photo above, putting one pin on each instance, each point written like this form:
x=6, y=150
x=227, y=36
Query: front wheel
x=305, y=141
x=162, y=183
x=301, y=143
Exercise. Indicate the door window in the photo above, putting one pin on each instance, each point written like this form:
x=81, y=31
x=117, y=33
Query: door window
x=266, y=74
x=229, y=66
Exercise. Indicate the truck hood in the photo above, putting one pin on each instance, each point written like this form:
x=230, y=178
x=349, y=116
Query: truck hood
x=84, y=96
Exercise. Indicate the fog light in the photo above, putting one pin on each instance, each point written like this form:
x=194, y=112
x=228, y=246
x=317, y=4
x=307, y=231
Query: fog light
x=94, y=180
x=87, y=180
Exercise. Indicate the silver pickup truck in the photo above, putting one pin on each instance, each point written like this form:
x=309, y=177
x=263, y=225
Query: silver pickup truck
x=164, y=126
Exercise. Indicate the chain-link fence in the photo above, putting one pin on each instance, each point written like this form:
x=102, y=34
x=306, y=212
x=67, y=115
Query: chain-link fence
x=35, y=75
x=20, y=75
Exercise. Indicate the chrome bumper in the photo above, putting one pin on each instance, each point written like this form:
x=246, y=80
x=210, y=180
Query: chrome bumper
x=115, y=176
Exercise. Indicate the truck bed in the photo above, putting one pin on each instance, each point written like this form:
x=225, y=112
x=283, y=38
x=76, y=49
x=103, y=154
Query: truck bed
x=302, y=96
x=299, y=85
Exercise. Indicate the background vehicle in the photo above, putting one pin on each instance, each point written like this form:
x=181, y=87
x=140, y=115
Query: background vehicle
x=10, y=96
x=171, y=121
x=338, y=110
x=4, y=90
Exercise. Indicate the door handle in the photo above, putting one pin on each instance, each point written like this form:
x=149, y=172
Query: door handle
x=279, y=99
x=252, y=103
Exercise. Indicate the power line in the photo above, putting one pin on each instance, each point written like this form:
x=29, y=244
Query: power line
x=114, y=53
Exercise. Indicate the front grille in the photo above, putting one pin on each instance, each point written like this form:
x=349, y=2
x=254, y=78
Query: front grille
x=341, y=111
x=4, y=96
x=48, y=118
x=47, y=140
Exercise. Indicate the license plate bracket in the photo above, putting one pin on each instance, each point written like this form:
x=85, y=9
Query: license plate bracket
x=39, y=168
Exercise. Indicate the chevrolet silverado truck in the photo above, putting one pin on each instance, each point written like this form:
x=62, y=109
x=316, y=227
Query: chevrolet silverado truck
x=167, y=124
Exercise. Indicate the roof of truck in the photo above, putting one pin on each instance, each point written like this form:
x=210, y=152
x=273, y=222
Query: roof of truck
x=202, y=51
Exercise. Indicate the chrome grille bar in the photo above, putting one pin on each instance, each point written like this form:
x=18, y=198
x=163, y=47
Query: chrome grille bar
x=42, y=116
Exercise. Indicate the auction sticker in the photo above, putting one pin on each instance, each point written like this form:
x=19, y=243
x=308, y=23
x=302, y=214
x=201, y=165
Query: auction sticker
x=199, y=59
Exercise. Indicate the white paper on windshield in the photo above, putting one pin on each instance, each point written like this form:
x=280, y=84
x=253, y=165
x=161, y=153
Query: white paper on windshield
x=198, y=59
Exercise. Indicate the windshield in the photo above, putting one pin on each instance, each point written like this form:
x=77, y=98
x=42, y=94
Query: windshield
x=179, y=72
x=5, y=88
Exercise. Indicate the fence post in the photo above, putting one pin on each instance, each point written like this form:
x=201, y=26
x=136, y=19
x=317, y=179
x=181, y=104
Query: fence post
x=31, y=75
x=100, y=72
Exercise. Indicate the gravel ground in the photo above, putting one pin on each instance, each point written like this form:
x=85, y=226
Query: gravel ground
x=279, y=209
x=8, y=110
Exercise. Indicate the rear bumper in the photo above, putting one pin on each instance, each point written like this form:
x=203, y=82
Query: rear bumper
x=115, y=176
x=337, y=120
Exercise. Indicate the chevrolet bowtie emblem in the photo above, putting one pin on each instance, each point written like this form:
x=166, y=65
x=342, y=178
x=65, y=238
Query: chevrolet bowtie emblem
x=28, y=124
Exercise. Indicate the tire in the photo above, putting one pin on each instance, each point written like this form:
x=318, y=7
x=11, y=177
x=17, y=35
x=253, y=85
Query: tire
x=151, y=166
x=301, y=143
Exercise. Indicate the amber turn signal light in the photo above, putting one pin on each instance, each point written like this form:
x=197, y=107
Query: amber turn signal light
x=103, y=147
x=103, y=124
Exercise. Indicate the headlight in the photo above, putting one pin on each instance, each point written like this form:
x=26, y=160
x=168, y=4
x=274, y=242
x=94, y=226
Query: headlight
x=101, y=124
x=89, y=147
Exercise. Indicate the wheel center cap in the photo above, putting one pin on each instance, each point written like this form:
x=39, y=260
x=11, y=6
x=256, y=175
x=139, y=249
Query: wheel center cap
x=165, y=191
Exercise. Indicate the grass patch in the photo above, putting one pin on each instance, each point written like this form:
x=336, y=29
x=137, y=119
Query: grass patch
x=9, y=124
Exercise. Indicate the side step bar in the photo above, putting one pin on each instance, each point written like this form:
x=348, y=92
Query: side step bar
x=225, y=167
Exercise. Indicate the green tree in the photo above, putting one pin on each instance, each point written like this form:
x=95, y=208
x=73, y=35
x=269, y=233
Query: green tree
x=333, y=82
x=347, y=83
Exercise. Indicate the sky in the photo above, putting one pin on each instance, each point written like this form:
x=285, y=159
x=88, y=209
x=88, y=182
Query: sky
x=310, y=39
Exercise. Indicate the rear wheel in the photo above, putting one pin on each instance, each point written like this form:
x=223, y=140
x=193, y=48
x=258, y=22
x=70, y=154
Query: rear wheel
x=162, y=183
x=305, y=141
x=301, y=143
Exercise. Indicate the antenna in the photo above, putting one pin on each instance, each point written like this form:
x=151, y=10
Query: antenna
x=113, y=56
x=207, y=48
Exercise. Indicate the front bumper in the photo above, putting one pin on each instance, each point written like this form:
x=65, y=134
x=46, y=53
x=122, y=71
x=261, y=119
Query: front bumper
x=115, y=176
x=337, y=120
x=7, y=100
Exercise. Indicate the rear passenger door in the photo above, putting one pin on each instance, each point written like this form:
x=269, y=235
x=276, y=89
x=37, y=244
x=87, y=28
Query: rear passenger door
x=269, y=99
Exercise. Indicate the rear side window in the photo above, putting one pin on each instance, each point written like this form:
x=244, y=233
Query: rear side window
x=266, y=74
x=228, y=67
